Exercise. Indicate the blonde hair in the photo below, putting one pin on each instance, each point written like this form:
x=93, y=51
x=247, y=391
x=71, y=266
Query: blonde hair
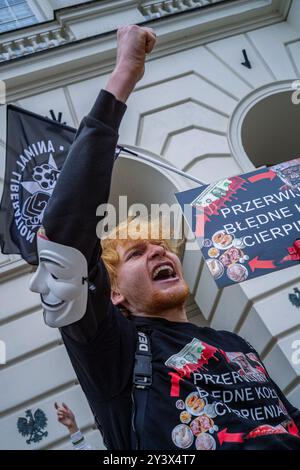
x=131, y=230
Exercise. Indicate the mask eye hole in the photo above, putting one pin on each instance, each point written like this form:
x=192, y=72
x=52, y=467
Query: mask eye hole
x=54, y=277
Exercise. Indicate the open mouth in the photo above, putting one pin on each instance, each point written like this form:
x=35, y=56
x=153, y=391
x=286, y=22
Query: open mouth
x=52, y=305
x=164, y=272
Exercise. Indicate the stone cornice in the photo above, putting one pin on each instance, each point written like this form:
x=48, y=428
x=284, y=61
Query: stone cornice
x=35, y=42
x=153, y=9
x=50, y=34
x=65, y=28
x=74, y=59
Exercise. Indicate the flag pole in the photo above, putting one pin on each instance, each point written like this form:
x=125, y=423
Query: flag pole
x=161, y=164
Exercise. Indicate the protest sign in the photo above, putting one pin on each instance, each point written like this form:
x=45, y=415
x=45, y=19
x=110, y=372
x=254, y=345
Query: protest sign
x=248, y=225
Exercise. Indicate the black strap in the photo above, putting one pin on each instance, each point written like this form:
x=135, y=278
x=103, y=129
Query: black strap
x=142, y=381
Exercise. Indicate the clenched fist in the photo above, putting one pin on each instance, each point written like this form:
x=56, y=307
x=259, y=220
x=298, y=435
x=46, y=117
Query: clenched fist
x=134, y=43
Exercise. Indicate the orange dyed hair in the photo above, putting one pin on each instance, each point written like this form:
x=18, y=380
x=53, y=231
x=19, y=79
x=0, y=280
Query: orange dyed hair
x=132, y=230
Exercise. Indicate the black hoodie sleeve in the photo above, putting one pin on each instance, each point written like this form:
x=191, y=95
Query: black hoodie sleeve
x=84, y=183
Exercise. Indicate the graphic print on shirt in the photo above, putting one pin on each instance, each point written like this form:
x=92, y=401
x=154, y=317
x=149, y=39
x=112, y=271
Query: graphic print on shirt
x=198, y=411
x=245, y=369
x=196, y=414
x=194, y=356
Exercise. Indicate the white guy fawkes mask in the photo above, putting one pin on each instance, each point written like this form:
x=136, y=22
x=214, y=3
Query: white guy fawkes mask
x=61, y=280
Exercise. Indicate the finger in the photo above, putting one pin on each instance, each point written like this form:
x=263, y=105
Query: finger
x=65, y=406
x=150, y=42
x=149, y=30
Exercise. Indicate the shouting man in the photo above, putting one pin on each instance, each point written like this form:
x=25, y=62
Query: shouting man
x=152, y=379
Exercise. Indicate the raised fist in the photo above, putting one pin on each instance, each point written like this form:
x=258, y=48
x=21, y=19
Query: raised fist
x=134, y=42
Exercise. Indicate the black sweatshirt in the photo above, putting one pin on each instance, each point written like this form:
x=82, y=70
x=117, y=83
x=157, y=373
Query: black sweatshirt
x=210, y=389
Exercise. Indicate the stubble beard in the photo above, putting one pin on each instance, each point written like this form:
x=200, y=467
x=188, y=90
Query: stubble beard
x=163, y=300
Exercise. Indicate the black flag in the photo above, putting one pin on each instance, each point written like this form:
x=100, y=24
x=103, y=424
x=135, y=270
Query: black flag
x=36, y=148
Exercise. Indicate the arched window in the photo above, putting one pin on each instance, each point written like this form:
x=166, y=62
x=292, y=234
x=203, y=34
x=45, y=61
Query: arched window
x=264, y=128
x=271, y=130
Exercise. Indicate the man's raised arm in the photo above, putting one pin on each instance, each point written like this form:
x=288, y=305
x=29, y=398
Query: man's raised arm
x=84, y=183
x=73, y=284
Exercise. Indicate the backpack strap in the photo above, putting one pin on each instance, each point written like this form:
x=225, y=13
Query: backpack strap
x=142, y=381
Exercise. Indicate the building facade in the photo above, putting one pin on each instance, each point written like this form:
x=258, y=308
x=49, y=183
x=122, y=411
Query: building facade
x=215, y=101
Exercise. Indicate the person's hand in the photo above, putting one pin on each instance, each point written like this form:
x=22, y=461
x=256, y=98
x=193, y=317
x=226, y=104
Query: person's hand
x=134, y=42
x=66, y=417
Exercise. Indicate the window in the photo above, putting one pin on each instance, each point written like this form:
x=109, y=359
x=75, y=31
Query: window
x=15, y=14
x=270, y=130
x=264, y=127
